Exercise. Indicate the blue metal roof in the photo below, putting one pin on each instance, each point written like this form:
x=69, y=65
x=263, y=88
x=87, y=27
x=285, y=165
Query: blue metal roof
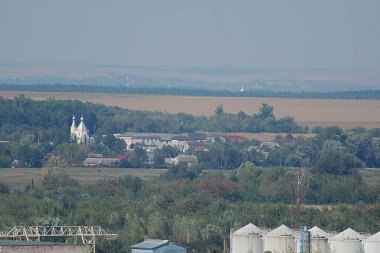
x=150, y=244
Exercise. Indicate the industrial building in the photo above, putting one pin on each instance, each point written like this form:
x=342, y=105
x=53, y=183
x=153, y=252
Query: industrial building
x=280, y=240
x=372, y=244
x=13, y=246
x=247, y=239
x=158, y=246
x=315, y=240
x=318, y=240
x=348, y=241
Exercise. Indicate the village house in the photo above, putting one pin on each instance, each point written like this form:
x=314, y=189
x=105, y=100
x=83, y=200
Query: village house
x=192, y=142
x=189, y=160
x=266, y=147
x=146, y=139
x=194, y=146
x=179, y=141
x=160, y=140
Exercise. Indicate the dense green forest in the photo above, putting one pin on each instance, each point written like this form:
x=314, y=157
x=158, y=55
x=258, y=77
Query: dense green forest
x=355, y=94
x=201, y=211
x=305, y=181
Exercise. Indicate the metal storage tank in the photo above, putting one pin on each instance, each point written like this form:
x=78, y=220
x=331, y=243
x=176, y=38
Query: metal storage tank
x=372, y=244
x=247, y=239
x=348, y=241
x=280, y=240
x=319, y=240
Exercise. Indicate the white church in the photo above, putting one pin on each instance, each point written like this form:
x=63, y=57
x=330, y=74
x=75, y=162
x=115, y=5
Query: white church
x=79, y=134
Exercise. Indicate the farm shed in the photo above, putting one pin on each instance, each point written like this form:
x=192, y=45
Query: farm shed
x=101, y=162
x=247, y=239
x=372, y=244
x=158, y=246
x=13, y=246
x=280, y=240
x=319, y=240
x=348, y=241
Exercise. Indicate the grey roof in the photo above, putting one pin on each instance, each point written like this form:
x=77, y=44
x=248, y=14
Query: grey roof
x=270, y=144
x=100, y=161
x=250, y=229
x=146, y=137
x=180, y=138
x=348, y=234
x=316, y=232
x=150, y=244
x=373, y=238
x=186, y=158
x=196, y=136
x=281, y=231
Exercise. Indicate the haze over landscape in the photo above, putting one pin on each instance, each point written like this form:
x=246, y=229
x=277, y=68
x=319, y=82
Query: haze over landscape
x=184, y=121
x=276, y=45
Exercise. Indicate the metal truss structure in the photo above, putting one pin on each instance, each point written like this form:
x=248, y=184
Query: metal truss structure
x=86, y=234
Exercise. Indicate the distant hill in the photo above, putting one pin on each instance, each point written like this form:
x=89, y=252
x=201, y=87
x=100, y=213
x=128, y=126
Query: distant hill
x=227, y=78
x=353, y=94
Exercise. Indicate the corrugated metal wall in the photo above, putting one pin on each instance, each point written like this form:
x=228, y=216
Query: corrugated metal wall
x=44, y=249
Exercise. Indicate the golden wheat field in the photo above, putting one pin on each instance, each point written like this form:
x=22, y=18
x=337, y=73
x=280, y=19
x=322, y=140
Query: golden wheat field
x=346, y=113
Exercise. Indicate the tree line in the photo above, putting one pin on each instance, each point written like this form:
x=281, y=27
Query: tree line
x=353, y=94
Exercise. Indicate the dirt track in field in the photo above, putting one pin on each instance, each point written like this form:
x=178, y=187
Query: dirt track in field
x=347, y=113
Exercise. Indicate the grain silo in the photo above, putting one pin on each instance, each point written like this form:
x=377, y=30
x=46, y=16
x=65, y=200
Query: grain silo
x=348, y=241
x=280, y=240
x=372, y=244
x=247, y=239
x=319, y=240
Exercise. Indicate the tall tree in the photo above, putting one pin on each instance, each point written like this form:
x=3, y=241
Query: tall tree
x=336, y=159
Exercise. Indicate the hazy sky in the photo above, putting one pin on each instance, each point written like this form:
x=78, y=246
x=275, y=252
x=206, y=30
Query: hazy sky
x=261, y=34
